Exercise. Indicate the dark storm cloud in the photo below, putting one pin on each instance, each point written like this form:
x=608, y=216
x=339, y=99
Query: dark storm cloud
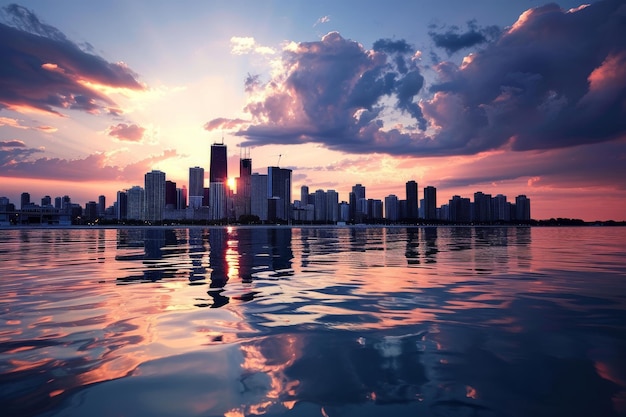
x=554, y=79
x=452, y=41
x=41, y=69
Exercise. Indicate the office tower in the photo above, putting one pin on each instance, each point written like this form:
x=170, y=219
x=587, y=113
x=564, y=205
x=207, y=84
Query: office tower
x=46, y=201
x=392, y=208
x=304, y=195
x=459, y=209
x=258, y=196
x=482, y=207
x=344, y=211
x=376, y=209
x=217, y=201
x=500, y=208
x=430, y=203
x=196, y=187
x=135, y=200
x=122, y=206
x=101, y=205
x=411, y=200
x=91, y=211
x=155, y=195
x=244, y=183
x=522, y=208
x=320, y=207
x=332, y=206
x=279, y=187
x=24, y=200
x=58, y=203
x=360, y=204
x=218, y=169
x=170, y=194
x=181, y=198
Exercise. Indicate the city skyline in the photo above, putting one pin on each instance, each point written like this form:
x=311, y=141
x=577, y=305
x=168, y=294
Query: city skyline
x=497, y=98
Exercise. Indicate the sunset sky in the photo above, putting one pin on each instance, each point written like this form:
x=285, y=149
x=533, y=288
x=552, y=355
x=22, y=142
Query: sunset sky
x=503, y=97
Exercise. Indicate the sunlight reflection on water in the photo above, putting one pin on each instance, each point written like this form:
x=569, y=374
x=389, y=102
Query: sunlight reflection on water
x=240, y=321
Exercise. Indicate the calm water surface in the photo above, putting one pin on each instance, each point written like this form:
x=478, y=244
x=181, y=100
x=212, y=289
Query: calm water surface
x=313, y=322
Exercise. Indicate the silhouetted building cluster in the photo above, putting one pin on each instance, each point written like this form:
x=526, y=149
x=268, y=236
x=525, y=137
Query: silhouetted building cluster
x=261, y=198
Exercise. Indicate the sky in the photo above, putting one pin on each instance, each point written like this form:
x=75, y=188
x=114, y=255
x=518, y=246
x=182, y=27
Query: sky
x=515, y=97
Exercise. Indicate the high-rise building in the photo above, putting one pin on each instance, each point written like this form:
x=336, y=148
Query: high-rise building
x=122, y=206
x=218, y=169
x=522, y=208
x=218, y=201
x=358, y=203
x=392, y=209
x=244, y=183
x=482, y=207
x=91, y=211
x=46, y=201
x=155, y=195
x=279, y=187
x=24, y=200
x=459, y=209
x=411, y=200
x=135, y=203
x=304, y=195
x=170, y=194
x=58, y=203
x=101, y=205
x=258, y=196
x=430, y=203
x=500, y=208
x=332, y=206
x=196, y=187
x=320, y=206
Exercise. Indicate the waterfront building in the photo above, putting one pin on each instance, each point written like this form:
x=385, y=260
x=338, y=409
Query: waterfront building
x=332, y=206
x=196, y=187
x=170, y=194
x=101, y=205
x=392, y=209
x=258, y=196
x=122, y=206
x=46, y=201
x=154, y=195
x=320, y=206
x=459, y=209
x=58, y=203
x=217, y=201
x=279, y=187
x=482, y=207
x=244, y=184
x=135, y=203
x=500, y=208
x=91, y=211
x=522, y=208
x=24, y=200
x=411, y=200
x=358, y=210
x=218, y=168
x=430, y=203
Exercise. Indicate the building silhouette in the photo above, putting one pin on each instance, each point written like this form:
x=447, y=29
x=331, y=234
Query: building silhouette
x=196, y=187
x=279, y=194
x=155, y=195
x=430, y=203
x=411, y=200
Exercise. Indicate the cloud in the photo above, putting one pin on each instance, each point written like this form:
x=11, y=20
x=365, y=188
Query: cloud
x=127, y=132
x=12, y=144
x=246, y=45
x=321, y=20
x=95, y=167
x=222, y=123
x=452, y=41
x=44, y=71
x=46, y=129
x=554, y=79
x=9, y=121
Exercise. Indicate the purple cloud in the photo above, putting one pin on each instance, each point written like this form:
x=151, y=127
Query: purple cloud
x=12, y=144
x=44, y=70
x=127, y=132
x=452, y=41
x=94, y=167
x=554, y=79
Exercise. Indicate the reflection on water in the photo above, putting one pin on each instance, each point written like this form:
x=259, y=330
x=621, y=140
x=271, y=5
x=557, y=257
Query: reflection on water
x=313, y=321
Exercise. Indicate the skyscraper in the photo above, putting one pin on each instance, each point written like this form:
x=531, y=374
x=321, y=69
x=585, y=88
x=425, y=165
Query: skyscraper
x=196, y=187
x=357, y=199
x=258, y=196
x=24, y=200
x=101, y=205
x=218, y=169
x=522, y=208
x=392, y=209
x=430, y=203
x=411, y=200
x=332, y=206
x=279, y=187
x=244, y=182
x=135, y=198
x=170, y=194
x=155, y=195
x=122, y=206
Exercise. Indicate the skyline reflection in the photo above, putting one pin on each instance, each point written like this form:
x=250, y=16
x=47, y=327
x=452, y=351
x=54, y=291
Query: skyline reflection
x=308, y=321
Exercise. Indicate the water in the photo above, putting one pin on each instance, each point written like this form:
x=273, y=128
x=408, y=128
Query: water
x=313, y=322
